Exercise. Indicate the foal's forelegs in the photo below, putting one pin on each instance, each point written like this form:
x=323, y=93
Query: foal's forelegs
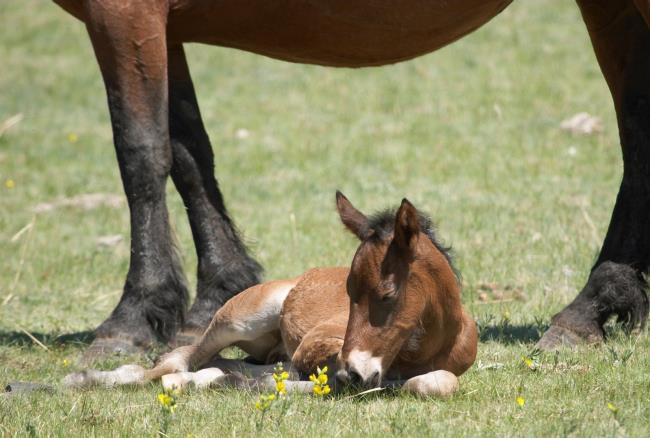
x=621, y=39
x=130, y=46
x=224, y=267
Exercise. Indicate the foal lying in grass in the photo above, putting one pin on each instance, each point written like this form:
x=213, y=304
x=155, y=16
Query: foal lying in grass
x=394, y=317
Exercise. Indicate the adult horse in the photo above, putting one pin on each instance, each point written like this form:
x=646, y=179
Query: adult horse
x=394, y=314
x=158, y=131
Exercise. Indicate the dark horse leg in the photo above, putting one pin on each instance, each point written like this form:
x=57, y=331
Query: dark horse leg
x=224, y=267
x=131, y=49
x=621, y=40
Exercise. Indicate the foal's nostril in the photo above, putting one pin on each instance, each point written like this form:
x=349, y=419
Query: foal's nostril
x=373, y=380
x=342, y=376
x=354, y=377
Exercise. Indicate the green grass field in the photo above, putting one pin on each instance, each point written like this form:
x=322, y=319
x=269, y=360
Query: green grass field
x=469, y=134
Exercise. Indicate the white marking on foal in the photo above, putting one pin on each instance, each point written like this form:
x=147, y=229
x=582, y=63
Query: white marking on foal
x=365, y=364
x=256, y=321
x=124, y=375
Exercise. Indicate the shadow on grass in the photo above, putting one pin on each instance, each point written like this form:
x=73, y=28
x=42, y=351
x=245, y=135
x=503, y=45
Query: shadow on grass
x=506, y=333
x=19, y=338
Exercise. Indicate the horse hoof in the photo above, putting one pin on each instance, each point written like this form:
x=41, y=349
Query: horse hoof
x=557, y=337
x=102, y=348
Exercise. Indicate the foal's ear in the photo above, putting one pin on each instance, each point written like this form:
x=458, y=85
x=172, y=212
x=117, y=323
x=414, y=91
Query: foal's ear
x=352, y=218
x=407, y=225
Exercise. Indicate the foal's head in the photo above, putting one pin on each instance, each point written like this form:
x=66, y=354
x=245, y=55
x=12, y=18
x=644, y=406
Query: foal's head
x=395, y=277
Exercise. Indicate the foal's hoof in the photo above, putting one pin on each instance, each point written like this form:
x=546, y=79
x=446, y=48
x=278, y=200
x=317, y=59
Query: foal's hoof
x=440, y=383
x=557, y=337
x=101, y=348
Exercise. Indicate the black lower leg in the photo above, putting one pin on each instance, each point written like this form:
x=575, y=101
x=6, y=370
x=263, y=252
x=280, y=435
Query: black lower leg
x=224, y=266
x=616, y=284
x=135, y=75
x=155, y=294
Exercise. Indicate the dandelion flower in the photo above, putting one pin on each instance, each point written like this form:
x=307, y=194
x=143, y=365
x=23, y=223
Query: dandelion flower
x=72, y=137
x=10, y=184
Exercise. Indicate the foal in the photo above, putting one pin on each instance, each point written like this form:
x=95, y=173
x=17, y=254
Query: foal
x=395, y=314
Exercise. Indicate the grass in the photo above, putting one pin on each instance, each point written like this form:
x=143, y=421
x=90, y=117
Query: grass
x=470, y=134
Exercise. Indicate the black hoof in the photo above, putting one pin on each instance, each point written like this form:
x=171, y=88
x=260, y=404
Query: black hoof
x=612, y=289
x=557, y=337
x=104, y=348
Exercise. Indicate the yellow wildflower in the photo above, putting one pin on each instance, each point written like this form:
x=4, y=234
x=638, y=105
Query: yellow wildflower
x=10, y=183
x=320, y=382
x=66, y=363
x=72, y=137
x=520, y=401
x=611, y=407
x=280, y=388
x=264, y=402
x=168, y=401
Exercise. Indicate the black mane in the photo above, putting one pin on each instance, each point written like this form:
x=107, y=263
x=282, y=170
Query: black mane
x=382, y=224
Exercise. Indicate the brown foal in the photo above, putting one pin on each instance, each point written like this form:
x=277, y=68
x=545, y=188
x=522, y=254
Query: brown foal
x=395, y=315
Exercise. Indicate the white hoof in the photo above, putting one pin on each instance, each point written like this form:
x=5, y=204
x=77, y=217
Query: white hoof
x=176, y=381
x=200, y=379
x=206, y=377
x=438, y=383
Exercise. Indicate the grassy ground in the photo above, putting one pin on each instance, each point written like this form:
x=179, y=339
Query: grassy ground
x=470, y=134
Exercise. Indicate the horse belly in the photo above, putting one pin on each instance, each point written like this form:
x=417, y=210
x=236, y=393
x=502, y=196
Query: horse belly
x=319, y=296
x=331, y=32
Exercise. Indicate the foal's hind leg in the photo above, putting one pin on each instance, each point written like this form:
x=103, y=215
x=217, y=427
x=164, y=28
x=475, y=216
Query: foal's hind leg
x=224, y=267
x=251, y=318
x=130, y=45
x=621, y=39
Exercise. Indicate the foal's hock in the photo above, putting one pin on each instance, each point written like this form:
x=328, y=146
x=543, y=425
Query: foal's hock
x=393, y=317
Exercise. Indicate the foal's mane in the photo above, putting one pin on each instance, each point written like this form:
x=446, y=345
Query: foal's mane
x=382, y=223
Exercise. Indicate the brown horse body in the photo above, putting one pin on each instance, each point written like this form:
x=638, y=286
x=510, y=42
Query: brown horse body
x=395, y=314
x=327, y=32
x=158, y=132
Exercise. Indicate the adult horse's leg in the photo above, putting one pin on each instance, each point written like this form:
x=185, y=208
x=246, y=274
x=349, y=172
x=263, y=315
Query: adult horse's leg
x=130, y=45
x=621, y=40
x=224, y=267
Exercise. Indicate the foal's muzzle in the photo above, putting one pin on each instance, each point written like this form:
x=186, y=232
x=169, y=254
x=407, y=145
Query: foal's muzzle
x=369, y=378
